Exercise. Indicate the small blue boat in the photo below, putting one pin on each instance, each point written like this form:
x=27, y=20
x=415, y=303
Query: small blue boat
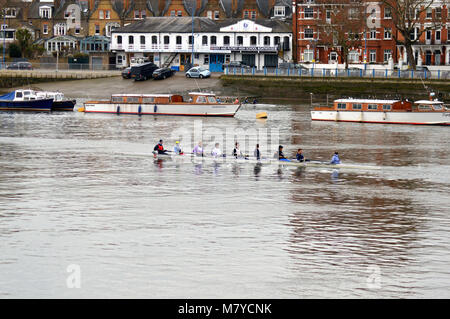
x=17, y=101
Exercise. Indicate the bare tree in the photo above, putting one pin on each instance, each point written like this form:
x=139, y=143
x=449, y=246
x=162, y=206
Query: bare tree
x=411, y=19
x=342, y=26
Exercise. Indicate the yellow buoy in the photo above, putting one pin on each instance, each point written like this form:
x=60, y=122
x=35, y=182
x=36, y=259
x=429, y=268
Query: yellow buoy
x=81, y=109
x=261, y=115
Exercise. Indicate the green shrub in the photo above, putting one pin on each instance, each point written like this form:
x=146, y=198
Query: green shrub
x=14, y=50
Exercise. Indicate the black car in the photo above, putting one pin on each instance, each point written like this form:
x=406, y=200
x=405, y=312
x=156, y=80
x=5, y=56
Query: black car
x=20, y=66
x=162, y=73
x=143, y=71
x=126, y=73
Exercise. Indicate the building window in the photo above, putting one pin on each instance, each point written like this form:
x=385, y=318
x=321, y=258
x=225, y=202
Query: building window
x=253, y=40
x=204, y=40
x=216, y=15
x=276, y=40
x=438, y=13
x=387, y=33
x=428, y=35
x=240, y=40
x=226, y=40
x=246, y=14
x=308, y=55
x=119, y=39
x=206, y=59
x=353, y=57
x=60, y=29
x=107, y=14
x=178, y=39
x=328, y=15
x=438, y=35
x=172, y=13
x=309, y=34
x=166, y=39
x=100, y=14
x=279, y=11
x=136, y=14
x=45, y=12
x=213, y=40
x=309, y=13
x=373, y=34
x=77, y=30
x=143, y=39
x=97, y=29
x=179, y=13
x=373, y=56
x=209, y=15
x=387, y=13
x=387, y=55
x=45, y=29
x=267, y=41
x=143, y=14
x=10, y=12
x=429, y=13
x=154, y=39
x=130, y=39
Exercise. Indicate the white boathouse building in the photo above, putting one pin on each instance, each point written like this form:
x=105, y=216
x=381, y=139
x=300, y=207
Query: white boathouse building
x=167, y=41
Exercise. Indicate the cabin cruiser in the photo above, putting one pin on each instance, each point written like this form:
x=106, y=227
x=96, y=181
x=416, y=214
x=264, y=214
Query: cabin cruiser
x=58, y=104
x=423, y=112
x=25, y=100
x=198, y=104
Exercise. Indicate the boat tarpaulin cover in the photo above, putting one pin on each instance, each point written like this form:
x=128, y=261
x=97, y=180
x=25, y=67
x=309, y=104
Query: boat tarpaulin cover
x=8, y=97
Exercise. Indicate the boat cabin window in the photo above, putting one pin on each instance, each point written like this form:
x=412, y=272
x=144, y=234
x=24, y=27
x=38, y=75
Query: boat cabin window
x=386, y=107
x=26, y=93
x=201, y=99
x=18, y=94
x=424, y=107
x=341, y=106
x=211, y=99
x=357, y=106
x=117, y=99
x=132, y=99
x=437, y=107
x=372, y=107
x=148, y=100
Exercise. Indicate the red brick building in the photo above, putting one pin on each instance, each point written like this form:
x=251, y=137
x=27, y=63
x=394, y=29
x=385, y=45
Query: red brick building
x=377, y=35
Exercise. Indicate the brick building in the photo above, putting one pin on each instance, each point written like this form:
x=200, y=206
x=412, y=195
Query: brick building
x=377, y=35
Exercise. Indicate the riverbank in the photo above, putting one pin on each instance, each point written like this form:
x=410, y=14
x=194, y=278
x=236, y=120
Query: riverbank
x=17, y=78
x=300, y=88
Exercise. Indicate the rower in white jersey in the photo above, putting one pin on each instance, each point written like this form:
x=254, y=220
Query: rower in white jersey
x=216, y=151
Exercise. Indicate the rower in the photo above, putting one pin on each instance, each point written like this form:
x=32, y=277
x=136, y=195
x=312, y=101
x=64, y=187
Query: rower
x=280, y=154
x=177, y=148
x=159, y=148
x=236, y=151
x=216, y=152
x=300, y=156
x=335, y=159
x=198, y=149
x=257, y=153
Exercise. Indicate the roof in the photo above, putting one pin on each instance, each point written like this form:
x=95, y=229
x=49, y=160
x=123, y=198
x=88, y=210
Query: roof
x=143, y=95
x=428, y=102
x=201, y=24
x=366, y=101
x=202, y=93
x=170, y=24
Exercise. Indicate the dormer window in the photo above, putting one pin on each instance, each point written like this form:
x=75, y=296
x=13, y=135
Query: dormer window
x=45, y=12
x=10, y=12
x=279, y=11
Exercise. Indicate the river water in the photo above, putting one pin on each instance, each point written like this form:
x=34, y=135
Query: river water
x=85, y=212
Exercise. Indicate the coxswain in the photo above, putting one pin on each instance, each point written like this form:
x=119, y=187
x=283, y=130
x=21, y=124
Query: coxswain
x=236, y=101
x=257, y=153
x=177, y=148
x=160, y=148
x=198, y=149
x=216, y=152
x=255, y=101
x=335, y=159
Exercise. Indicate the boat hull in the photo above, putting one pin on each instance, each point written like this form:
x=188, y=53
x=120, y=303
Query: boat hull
x=417, y=118
x=227, y=110
x=41, y=105
x=66, y=105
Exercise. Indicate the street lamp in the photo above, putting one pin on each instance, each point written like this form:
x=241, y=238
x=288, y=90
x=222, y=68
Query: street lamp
x=4, y=38
x=193, y=13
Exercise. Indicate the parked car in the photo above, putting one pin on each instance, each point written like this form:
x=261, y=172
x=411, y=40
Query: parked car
x=198, y=72
x=423, y=71
x=293, y=66
x=143, y=71
x=162, y=73
x=126, y=73
x=236, y=64
x=20, y=66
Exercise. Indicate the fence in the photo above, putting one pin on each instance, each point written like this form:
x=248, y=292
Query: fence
x=59, y=66
x=340, y=73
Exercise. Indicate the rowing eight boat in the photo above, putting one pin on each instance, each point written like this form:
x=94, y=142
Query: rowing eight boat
x=264, y=161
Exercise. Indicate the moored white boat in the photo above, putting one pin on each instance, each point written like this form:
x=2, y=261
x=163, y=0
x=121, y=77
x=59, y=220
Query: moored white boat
x=199, y=104
x=424, y=112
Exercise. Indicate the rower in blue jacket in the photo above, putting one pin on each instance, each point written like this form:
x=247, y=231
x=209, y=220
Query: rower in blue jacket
x=335, y=159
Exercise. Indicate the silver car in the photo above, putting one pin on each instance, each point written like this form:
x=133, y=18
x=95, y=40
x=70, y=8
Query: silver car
x=198, y=72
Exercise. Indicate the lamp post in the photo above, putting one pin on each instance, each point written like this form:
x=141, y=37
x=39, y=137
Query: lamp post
x=4, y=38
x=193, y=13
